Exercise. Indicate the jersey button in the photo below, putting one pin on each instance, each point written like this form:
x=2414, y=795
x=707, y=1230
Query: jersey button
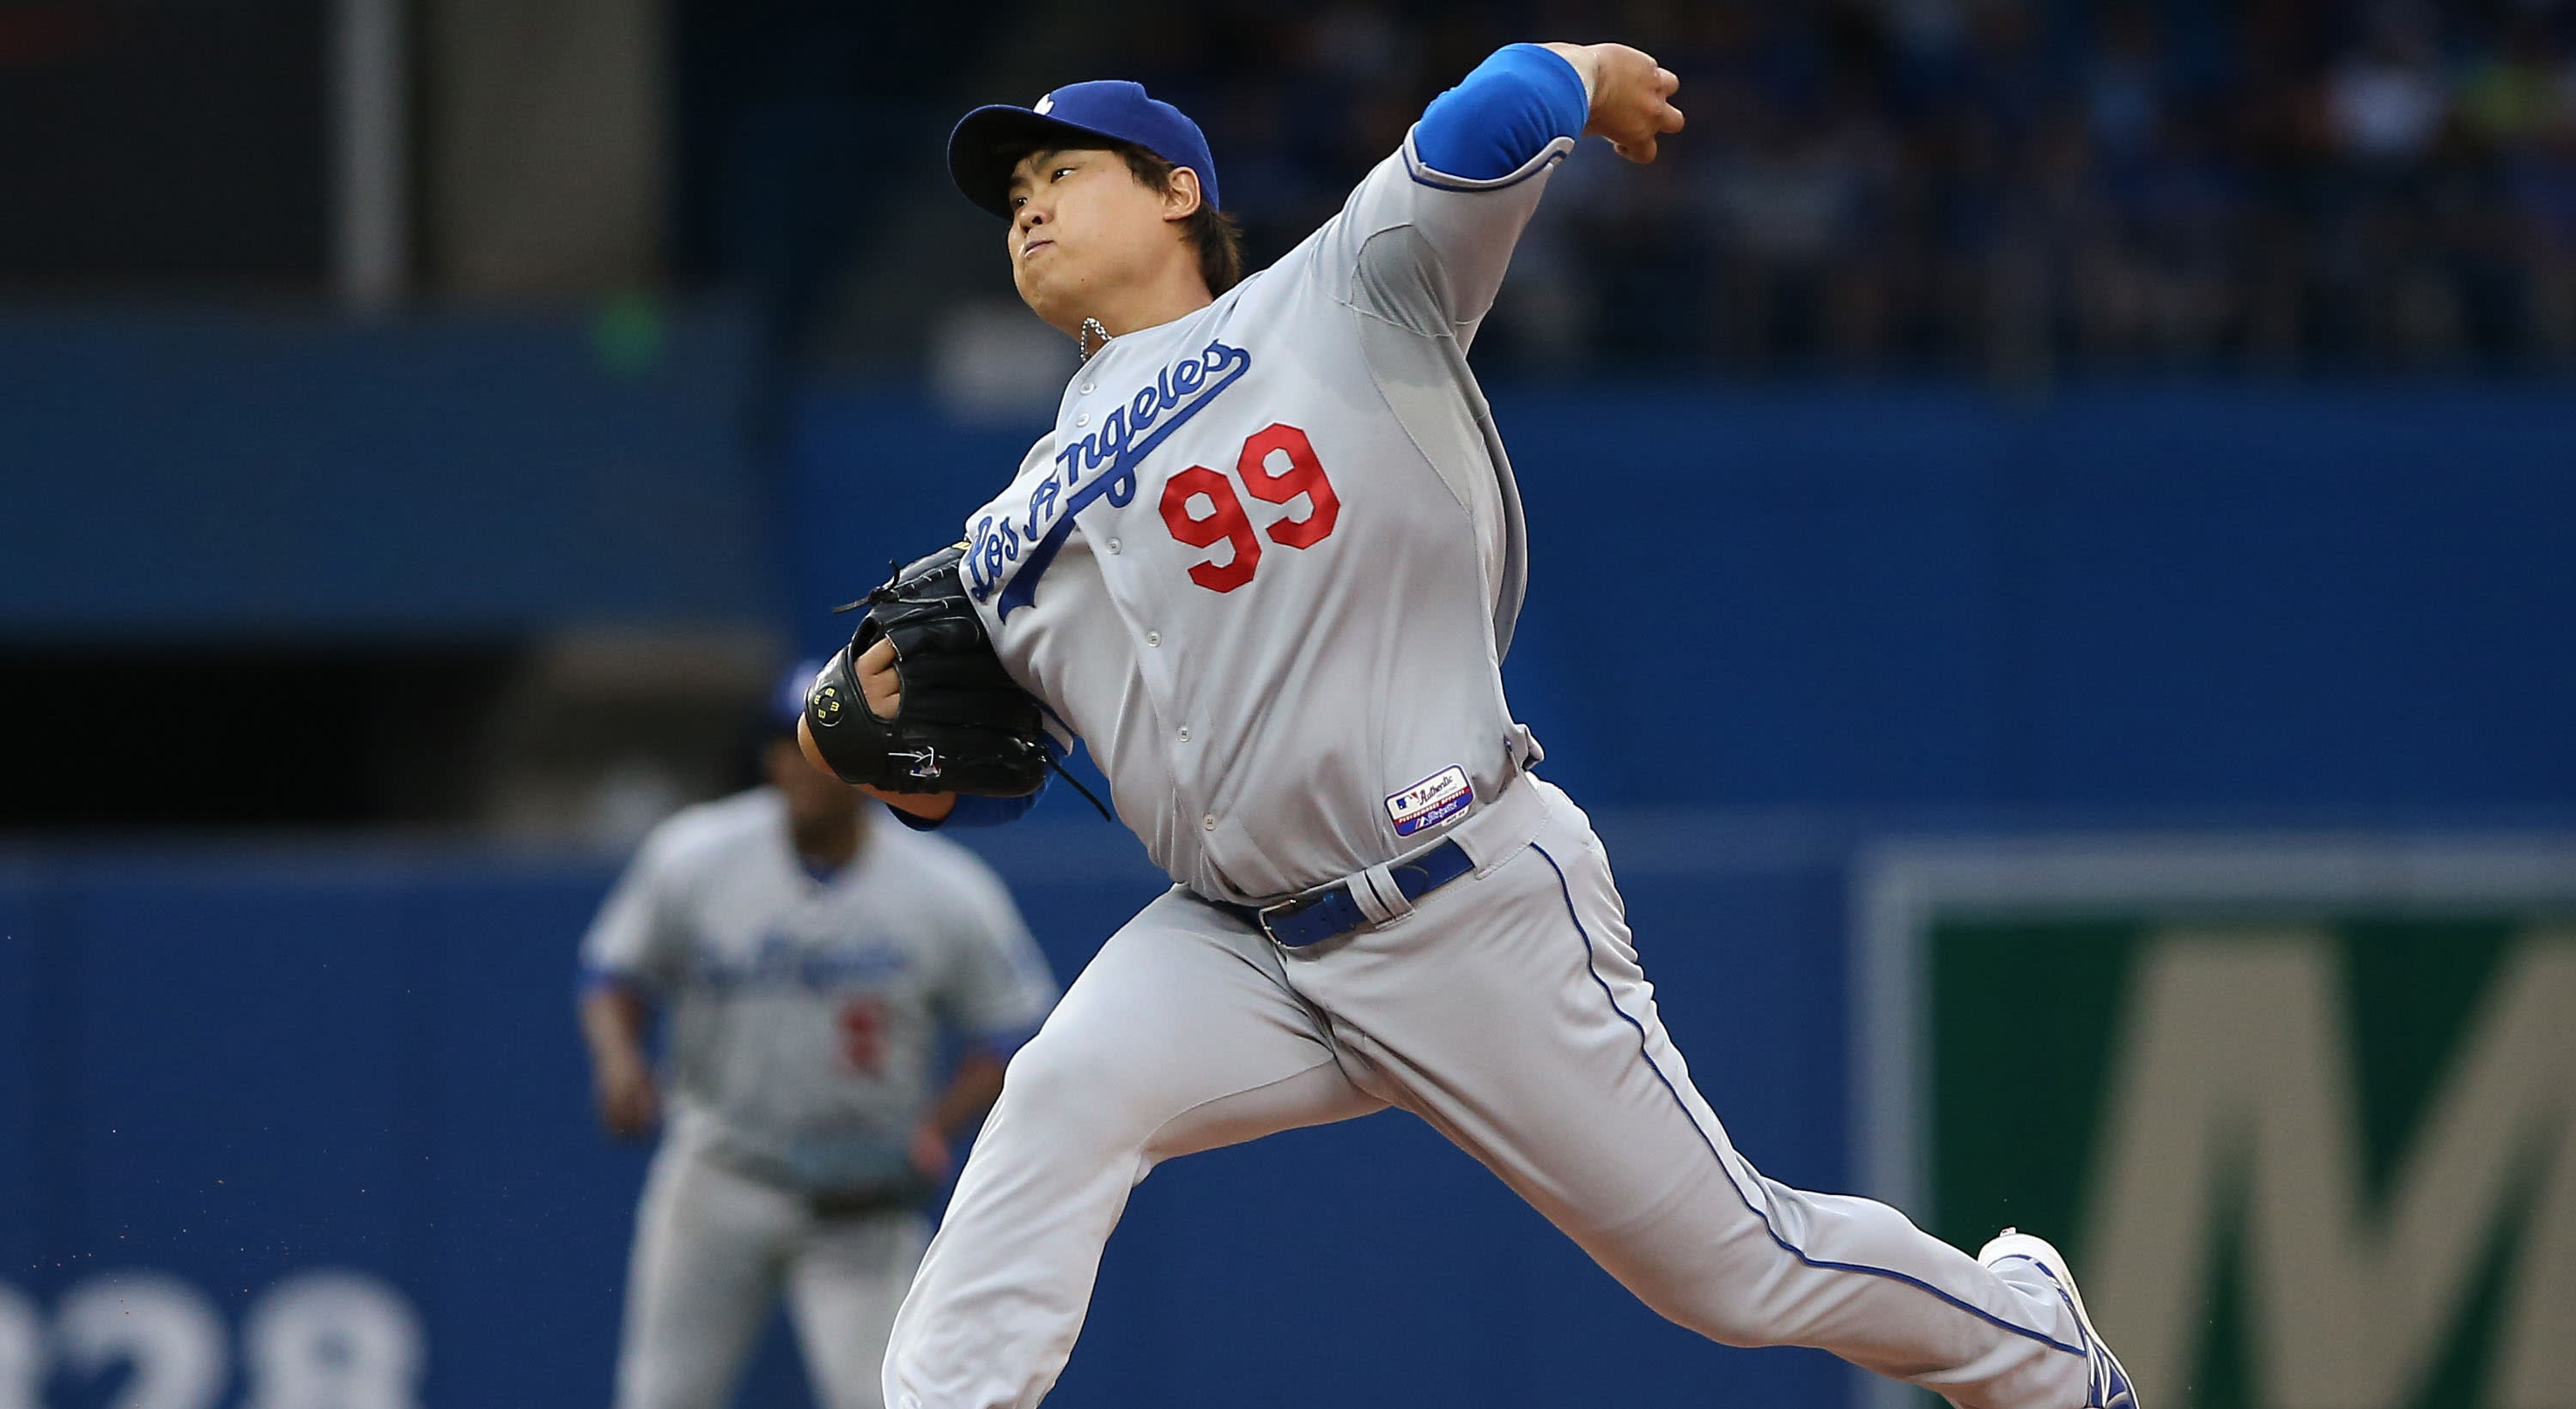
x=1153, y=638
x=1207, y=824
x=1086, y=388
x=1083, y=419
x=1113, y=547
x=1185, y=733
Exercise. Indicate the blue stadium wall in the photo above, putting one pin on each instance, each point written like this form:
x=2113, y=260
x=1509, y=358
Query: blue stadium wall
x=1765, y=627
x=239, y=1065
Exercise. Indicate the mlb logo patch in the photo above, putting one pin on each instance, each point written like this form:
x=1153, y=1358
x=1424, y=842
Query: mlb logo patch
x=1431, y=802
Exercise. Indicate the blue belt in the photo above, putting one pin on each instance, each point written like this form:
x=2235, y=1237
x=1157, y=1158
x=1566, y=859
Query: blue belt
x=1324, y=914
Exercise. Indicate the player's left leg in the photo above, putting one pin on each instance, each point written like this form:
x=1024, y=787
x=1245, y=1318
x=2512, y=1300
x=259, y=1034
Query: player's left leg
x=847, y=1279
x=1510, y=1012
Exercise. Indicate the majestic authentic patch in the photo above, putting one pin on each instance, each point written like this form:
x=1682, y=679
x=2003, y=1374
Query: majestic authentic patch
x=1431, y=802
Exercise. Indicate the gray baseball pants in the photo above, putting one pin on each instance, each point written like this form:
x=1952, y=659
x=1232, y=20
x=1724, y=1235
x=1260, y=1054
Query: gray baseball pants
x=1508, y=1010
x=714, y=1247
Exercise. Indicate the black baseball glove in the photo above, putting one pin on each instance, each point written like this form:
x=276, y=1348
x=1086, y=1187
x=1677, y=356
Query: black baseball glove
x=962, y=725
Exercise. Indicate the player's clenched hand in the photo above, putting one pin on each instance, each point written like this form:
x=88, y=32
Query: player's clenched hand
x=882, y=685
x=628, y=1104
x=930, y=1156
x=1631, y=96
x=879, y=680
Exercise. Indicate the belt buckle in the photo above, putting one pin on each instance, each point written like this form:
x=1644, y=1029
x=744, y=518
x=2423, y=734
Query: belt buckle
x=1292, y=906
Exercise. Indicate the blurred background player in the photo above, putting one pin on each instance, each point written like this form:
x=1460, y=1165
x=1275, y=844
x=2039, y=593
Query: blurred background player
x=808, y=960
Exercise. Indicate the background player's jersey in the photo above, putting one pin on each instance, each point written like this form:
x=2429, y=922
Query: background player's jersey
x=804, y=1012
x=1268, y=561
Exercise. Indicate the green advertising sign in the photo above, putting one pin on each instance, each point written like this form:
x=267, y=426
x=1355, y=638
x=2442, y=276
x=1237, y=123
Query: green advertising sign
x=2302, y=1115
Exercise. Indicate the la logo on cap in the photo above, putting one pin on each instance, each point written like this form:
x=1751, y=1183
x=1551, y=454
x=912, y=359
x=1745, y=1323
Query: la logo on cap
x=1044, y=105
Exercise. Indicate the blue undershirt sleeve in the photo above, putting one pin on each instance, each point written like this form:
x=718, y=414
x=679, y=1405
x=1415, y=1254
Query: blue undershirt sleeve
x=594, y=979
x=974, y=811
x=1507, y=111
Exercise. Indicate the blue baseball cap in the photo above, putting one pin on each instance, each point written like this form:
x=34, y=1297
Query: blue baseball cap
x=991, y=140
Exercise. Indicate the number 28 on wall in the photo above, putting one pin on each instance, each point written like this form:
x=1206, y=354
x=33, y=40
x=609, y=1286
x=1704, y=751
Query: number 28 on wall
x=1278, y=466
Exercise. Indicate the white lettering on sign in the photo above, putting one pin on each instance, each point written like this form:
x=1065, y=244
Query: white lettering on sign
x=22, y=1351
x=333, y=1340
x=325, y=1338
x=2236, y=1072
x=167, y=1330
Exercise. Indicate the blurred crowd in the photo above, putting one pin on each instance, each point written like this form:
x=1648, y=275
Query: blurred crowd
x=1989, y=186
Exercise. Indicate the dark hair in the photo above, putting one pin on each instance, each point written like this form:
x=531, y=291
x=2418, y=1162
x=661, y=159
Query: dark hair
x=1218, y=239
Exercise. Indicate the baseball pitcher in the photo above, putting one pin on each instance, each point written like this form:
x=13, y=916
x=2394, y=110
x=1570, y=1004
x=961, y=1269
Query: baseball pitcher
x=805, y=961
x=1267, y=564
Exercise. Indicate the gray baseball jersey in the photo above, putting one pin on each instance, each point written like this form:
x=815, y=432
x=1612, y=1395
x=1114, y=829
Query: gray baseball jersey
x=804, y=1011
x=1266, y=565
x=1285, y=489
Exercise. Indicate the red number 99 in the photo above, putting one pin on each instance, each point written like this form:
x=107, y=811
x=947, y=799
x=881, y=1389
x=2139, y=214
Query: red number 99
x=1304, y=475
x=1223, y=523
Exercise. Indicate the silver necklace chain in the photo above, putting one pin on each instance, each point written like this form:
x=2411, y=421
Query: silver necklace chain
x=1082, y=339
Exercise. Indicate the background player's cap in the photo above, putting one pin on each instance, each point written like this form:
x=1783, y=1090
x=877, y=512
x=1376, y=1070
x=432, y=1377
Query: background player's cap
x=787, y=702
x=991, y=140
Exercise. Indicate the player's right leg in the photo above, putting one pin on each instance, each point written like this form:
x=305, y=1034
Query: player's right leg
x=1510, y=1011
x=1179, y=1036
x=710, y=1244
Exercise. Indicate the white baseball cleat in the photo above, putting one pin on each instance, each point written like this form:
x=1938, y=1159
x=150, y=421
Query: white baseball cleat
x=2107, y=1385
